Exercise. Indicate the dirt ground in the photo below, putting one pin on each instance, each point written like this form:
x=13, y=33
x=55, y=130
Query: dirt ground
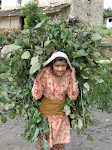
x=101, y=131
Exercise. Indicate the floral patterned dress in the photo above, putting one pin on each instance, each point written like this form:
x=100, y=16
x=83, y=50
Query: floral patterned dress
x=58, y=124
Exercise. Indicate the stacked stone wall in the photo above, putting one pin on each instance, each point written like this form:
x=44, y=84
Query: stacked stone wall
x=90, y=11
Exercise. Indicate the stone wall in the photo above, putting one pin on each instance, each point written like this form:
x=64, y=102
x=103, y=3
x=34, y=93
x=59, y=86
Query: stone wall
x=88, y=11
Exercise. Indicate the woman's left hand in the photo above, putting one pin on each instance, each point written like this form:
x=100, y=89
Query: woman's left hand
x=73, y=74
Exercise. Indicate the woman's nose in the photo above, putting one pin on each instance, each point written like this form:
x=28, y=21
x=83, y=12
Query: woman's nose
x=60, y=68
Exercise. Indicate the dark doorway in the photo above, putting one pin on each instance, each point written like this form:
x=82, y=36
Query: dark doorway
x=22, y=23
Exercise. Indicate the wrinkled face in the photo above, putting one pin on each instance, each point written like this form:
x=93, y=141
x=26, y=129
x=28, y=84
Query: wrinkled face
x=59, y=67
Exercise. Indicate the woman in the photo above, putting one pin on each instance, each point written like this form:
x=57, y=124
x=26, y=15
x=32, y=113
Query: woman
x=54, y=82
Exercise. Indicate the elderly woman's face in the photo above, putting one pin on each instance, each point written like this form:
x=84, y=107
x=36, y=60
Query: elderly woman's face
x=59, y=67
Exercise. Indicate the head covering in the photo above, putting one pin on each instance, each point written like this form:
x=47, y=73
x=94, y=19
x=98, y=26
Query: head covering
x=55, y=55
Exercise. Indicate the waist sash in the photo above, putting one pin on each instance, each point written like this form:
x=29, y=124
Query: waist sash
x=51, y=107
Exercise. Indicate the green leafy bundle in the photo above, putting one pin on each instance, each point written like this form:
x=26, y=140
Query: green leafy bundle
x=23, y=60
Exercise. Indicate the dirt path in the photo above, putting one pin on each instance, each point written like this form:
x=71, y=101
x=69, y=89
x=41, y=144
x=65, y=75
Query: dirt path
x=101, y=132
x=10, y=138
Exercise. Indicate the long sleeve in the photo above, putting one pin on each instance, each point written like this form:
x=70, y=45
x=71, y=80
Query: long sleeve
x=73, y=90
x=38, y=86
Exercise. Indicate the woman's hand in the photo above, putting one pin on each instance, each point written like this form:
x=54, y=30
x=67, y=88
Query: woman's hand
x=73, y=74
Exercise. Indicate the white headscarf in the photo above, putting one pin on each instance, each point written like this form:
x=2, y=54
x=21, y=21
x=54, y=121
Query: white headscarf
x=55, y=55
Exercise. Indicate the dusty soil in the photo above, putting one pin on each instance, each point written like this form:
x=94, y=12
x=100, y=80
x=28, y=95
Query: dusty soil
x=101, y=131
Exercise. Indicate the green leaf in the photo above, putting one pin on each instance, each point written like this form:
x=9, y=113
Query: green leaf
x=67, y=110
x=96, y=37
x=0, y=114
x=86, y=85
x=75, y=64
x=47, y=43
x=72, y=116
x=34, y=68
x=99, y=80
x=55, y=42
x=85, y=34
x=82, y=53
x=39, y=50
x=45, y=144
x=4, y=75
x=25, y=55
x=32, y=126
x=96, y=54
x=9, y=106
x=34, y=60
x=89, y=137
x=23, y=135
x=26, y=106
x=85, y=90
x=12, y=115
x=26, y=31
x=2, y=38
x=46, y=131
x=39, y=120
x=10, y=78
x=35, y=134
x=64, y=35
x=78, y=131
x=69, y=42
x=85, y=77
x=39, y=25
x=37, y=47
x=4, y=93
x=41, y=125
x=80, y=123
x=3, y=119
x=9, y=48
x=19, y=42
x=74, y=55
x=9, y=39
x=105, y=61
x=55, y=33
x=74, y=124
x=19, y=90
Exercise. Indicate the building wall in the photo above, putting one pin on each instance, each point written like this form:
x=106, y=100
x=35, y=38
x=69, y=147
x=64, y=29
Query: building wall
x=12, y=4
x=10, y=23
x=97, y=12
x=24, y=1
x=52, y=2
x=88, y=11
x=6, y=4
x=108, y=22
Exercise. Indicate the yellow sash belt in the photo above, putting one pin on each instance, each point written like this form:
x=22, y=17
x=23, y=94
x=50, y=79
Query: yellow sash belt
x=51, y=107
